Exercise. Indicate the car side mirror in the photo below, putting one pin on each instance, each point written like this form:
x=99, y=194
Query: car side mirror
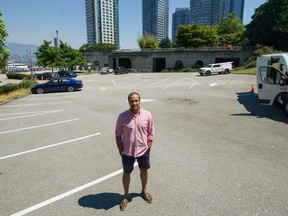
x=283, y=81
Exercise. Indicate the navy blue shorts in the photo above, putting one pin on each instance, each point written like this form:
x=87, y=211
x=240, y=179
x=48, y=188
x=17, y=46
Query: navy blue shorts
x=143, y=162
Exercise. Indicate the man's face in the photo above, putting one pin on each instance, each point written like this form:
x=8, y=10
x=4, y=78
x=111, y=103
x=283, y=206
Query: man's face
x=134, y=103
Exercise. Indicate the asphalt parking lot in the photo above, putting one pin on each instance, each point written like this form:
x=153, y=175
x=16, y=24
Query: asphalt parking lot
x=216, y=151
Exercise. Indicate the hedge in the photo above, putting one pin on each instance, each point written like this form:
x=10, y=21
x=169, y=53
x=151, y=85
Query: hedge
x=9, y=87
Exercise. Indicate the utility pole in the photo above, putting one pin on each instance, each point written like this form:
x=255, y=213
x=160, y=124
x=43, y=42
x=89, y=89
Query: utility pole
x=29, y=53
x=56, y=40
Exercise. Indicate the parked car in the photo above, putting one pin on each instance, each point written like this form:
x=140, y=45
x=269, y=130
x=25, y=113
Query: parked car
x=121, y=70
x=57, y=85
x=69, y=74
x=106, y=70
x=45, y=76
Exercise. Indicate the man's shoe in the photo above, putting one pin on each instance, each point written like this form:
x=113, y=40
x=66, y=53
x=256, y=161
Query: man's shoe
x=123, y=204
x=147, y=197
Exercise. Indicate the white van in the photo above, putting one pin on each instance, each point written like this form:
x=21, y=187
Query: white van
x=272, y=83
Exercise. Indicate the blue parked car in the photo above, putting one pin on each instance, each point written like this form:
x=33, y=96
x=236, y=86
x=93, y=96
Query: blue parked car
x=57, y=85
x=69, y=74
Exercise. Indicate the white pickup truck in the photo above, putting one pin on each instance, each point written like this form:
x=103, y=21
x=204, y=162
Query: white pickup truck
x=272, y=79
x=218, y=68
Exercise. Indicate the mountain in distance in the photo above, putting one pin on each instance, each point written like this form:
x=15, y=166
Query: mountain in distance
x=17, y=49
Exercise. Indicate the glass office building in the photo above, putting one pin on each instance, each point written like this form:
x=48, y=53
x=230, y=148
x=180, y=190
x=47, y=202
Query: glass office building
x=236, y=6
x=155, y=17
x=102, y=21
x=180, y=17
x=206, y=12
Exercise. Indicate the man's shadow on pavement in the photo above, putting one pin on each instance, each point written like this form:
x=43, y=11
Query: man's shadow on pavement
x=103, y=200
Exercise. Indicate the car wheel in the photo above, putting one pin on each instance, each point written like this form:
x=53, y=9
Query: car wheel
x=39, y=91
x=70, y=89
x=208, y=73
x=227, y=71
x=286, y=109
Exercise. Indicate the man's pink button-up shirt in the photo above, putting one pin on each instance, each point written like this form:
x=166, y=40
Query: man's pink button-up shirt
x=135, y=131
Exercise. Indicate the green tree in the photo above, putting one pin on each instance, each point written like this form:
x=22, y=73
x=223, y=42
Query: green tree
x=64, y=56
x=4, y=53
x=230, y=25
x=101, y=47
x=71, y=57
x=231, y=31
x=48, y=56
x=148, y=41
x=269, y=25
x=165, y=43
x=196, y=36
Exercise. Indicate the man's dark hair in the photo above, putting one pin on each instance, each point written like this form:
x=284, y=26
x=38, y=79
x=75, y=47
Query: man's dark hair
x=133, y=93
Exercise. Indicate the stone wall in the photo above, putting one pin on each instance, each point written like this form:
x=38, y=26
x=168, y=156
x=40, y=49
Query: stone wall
x=156, y=60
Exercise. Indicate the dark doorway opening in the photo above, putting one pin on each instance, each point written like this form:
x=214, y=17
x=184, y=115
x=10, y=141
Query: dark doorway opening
x=159, y=64
x=126, y=62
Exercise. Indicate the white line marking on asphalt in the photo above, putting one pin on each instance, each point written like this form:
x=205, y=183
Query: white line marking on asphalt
x=192, y=85
x=173, y=83
x=38, y=104
x=46, y=98
x=21, y=105
x=44, y=125
x=147, y=100
x=32, y=114
x=213, y=84
x=114, y=82
x=156, y=83
x=68, y=193
x=24, y=113
x=50, y=146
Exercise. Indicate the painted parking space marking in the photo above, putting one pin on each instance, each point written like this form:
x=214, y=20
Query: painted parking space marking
x=28, y=114
x=49, y=146
x=46, y=98
x=174, y=83
x=37, y=104
x=213, y=84
x=68, y=193
x=38, y=126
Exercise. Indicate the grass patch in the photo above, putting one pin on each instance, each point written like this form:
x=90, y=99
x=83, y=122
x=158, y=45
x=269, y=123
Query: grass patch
x=243, y=70
x=14, y=95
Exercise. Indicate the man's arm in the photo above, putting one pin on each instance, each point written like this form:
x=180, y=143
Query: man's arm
x=149, y=143
x=119, y=144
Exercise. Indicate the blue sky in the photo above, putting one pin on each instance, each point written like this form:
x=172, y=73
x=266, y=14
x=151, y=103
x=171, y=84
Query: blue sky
x=32, y=21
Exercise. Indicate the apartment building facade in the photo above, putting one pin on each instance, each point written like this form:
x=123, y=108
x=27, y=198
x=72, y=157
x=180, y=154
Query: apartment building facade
x=181, y=16
x=210, y=12
x=155, y=18
x=102, y=21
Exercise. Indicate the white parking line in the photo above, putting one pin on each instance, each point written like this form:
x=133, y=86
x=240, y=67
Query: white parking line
x=192, y=85
x=30, y=115
x=38, y=104
x=50, y=146
x=173, y=83
x=32, y=112
x=44, y=125
x=68, y=193
x=114, y=82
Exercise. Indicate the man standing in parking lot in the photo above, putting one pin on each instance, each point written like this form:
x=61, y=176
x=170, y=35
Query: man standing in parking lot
x=134, y=136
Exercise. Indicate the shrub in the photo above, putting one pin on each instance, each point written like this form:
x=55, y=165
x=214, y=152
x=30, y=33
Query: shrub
x=19, y=76
x=9, y=87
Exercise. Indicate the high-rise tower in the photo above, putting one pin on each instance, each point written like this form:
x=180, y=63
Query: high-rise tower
x=236, y=6
x=155, y=18
x=206, y=12
x=102, y=21
x=180, y=17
